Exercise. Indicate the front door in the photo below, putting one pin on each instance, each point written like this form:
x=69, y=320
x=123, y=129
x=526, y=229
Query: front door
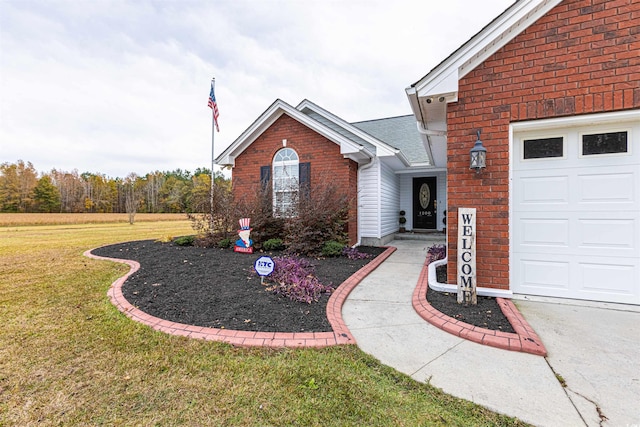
x=424, y=203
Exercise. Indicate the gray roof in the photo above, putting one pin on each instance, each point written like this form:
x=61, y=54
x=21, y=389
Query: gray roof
x=342, y=131
x=399, y=132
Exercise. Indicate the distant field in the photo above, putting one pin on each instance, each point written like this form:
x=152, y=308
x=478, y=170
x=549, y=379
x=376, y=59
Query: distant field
x=12, y=219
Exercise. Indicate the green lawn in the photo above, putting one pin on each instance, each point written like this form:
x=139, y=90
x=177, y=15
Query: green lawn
x=68, y=357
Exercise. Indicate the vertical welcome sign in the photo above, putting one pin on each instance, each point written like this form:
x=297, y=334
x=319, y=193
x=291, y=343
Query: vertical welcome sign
x=467, y=255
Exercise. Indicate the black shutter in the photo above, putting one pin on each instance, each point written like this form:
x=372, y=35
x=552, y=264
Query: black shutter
x=304, y=170
x=265, y=175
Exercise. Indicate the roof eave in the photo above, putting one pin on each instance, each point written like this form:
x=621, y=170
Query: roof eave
x=271, y=114
x=443, y=79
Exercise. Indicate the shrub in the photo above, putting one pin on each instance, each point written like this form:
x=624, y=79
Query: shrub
x=259, y=207
x=322, y=216
x=437, y=252
x=225, y=243
x=273, y=245
x=354, y=253
x=332, y=248
x=184, y=240
x=223, y=222
x=295, y=278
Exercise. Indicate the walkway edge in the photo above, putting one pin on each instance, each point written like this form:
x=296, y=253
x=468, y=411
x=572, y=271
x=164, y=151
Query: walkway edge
x=340, y=334
x=524, y=340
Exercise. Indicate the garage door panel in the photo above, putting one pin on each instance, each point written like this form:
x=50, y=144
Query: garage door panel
x=607, y=188
x=544, y=232
x=541, y=275
x=608, y=234
x=577, y=277
x=613, y=279
x=544, y=190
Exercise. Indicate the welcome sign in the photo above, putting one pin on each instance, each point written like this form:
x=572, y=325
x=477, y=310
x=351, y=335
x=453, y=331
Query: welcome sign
x=467, y=256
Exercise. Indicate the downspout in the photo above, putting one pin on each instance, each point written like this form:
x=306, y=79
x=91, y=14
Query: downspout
x=360, y=169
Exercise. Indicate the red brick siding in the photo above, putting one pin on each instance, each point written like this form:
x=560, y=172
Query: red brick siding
x=582, y=57
x=324, y=156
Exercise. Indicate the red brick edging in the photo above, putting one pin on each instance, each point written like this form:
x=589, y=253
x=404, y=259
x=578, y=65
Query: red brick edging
x=340, y=334
x=524, y=340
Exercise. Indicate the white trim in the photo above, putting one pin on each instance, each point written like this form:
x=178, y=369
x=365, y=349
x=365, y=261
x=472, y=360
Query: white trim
x=445, y=287
x=582, y=120
x=443, y=79
x=348, y=148
x=420, y=169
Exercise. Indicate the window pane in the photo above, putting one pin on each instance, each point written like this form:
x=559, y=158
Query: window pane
x=543, y=148
x=285, y=182
x=604, y=143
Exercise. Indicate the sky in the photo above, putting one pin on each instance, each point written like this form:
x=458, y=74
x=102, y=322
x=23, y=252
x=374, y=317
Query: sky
x=116, y=87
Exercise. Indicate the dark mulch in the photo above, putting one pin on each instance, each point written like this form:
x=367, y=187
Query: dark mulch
x=219, y=288
x=486, y=314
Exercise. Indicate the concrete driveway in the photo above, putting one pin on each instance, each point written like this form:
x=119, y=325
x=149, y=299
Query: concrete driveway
x=593, y=351
x=596, y=350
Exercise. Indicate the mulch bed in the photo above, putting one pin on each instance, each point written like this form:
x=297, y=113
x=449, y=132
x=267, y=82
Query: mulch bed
x=486, y=314
x=218, y=288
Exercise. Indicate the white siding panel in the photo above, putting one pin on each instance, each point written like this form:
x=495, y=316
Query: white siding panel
x=369, y=200
x=389, y=200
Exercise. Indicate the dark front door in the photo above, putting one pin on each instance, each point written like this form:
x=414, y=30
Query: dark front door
x=424, y=203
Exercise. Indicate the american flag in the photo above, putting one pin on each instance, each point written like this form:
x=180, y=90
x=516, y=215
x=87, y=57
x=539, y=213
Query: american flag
x=214, y=106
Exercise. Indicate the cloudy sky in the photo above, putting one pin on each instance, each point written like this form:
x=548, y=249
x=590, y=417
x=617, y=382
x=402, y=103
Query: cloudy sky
x=115, y=87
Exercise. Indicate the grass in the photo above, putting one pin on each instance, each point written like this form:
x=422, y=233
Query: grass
x=68, y=357
x=18, y=219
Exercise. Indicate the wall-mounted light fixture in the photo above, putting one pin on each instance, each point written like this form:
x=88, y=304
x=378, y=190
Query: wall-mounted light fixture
x=478, y=156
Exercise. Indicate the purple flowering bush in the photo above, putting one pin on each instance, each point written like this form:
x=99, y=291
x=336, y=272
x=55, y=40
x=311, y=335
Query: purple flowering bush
x=354, y=253
x=437, y=252
x=295, y=278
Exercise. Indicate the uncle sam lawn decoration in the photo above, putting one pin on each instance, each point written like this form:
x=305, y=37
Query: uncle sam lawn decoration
x=244, y=243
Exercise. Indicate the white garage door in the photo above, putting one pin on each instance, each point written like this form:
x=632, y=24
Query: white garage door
x=575, y=209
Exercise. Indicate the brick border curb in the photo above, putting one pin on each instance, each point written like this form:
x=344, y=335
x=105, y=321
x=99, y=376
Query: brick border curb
x=340, y=334
x=524, y=340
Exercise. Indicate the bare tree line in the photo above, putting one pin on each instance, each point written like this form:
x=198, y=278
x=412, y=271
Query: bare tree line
x=23, y=189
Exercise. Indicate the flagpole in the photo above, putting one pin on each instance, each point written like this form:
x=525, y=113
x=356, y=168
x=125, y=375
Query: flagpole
x=213, y=137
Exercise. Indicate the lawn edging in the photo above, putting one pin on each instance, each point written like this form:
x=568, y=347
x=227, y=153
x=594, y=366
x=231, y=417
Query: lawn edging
x=340, y=334
x=524, y=340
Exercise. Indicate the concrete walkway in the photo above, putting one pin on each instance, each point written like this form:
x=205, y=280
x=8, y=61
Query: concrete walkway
x=380, y=316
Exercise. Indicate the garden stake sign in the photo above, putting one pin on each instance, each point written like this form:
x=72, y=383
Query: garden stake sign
x=244, y=244
x=264, y=266
x=467, y=256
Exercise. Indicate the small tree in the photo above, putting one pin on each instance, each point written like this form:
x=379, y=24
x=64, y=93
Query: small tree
x=132, y=196
x=46, y=195
x=217, y=224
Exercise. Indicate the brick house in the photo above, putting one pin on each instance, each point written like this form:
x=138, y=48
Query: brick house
x=377, y=163
x=554, y=86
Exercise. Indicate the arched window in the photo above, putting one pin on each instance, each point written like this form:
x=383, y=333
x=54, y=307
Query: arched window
x=286, y=182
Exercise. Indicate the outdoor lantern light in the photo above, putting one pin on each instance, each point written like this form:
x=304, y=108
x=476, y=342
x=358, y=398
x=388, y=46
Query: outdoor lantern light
x=478, y=156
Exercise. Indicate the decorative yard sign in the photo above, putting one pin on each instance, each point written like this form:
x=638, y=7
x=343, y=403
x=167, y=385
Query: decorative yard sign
x=244, y=244
x=264, y=266
x=467, y=256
